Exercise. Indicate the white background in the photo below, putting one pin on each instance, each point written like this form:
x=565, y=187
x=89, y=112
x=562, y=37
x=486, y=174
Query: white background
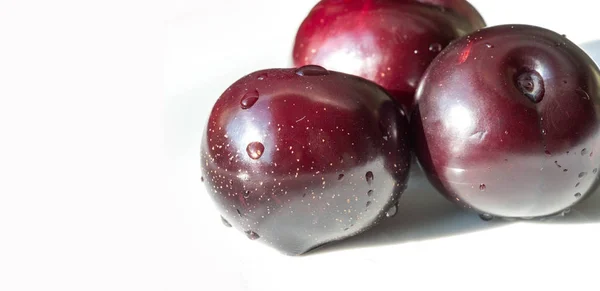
x=102, y=106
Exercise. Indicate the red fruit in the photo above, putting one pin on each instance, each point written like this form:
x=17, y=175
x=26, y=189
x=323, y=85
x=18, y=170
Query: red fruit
x=507, y=122
x=299, y=158
x=390, y=42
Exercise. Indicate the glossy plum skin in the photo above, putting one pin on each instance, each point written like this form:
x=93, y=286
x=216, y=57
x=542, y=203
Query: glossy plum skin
x=507, y=122
x=390, y=42
x=297, y=158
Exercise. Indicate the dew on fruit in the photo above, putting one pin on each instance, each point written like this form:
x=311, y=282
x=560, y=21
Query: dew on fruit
x=582, y=174
x=435, y=47
x=249, y=99
x=486, y=217
x=531, y=84
x=548, y=153
x=584, y=152
x=261, y=77
x=238, y=212
x=225, y=222
x=577, y=195
x=340, y=177
x=577, y=185
x=252, y=235
x=543, y=131
x=201, y=179
x=595, y=170
x=370, y=193
x=489, y=45
x=255, y=150
x=369, y=177
x=246, y=194
x=368, y=203
x=416, y=52
x=565, y=170
x=311, y=70
x=391, y=212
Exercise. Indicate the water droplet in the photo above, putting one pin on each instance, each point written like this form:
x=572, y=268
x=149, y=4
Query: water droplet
x=392, y=211
x=489, y=45
x=565, y=212
x=202, y=179
x=247, y=194
x=340, y=177
x=262, y=76
x=255, y=150
x=595, y=170
x=565, y=170
x=369, y=176
x=486, y=217
x=584, y=152
x=531, y=84
x=249, y=99
x=543, y=131
x=416, y=52
x=368, y=203
x=548, y=153
x=556, y=162
x=239, y=212
x=225, y=222
x=311, y=70
x=582, y=174
x=577, y=195
x=506, y=132
x=252, y=235
x=577, y=185
x=482, y=187
x=435, y=47
x=370, y=193
x=583, y=94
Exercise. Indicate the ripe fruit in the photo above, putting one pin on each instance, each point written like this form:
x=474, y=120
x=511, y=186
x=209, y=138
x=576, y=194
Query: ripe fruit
x=299, y=158
x=507, y=122
x=390, y=42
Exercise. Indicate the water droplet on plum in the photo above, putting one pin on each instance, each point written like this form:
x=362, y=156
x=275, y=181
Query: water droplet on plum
x=391, y=212
x=486, y=217
x=369, y=177
x=225, y=222
x=312, y=70
x=249, y=99
x=252, y=235
x=435, y=47
x=255, y=150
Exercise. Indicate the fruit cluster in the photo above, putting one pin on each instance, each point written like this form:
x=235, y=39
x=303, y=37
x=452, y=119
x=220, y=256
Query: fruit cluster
x=503, y=120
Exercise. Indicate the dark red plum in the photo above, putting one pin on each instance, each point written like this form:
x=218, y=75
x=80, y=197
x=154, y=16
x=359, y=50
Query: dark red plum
x=390, y=42
x=297, y=158
x=507, y=122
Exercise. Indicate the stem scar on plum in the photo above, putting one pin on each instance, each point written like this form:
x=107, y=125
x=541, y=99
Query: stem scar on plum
x=531, y=84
